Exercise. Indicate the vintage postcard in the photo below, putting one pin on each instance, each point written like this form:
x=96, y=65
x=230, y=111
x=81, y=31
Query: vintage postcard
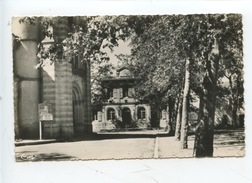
x=128, y=87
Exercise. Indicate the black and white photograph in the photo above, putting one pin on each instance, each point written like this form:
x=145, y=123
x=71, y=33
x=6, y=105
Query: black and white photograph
x=116, y=87
x=125, y=91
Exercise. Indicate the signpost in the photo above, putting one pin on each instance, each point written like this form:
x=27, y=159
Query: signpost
x=45, y=114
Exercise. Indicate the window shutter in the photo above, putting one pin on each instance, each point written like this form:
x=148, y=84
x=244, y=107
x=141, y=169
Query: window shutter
x=130, y=92
x=120, y=93
x=110, y=92
x=114, y=92
x=105, y=90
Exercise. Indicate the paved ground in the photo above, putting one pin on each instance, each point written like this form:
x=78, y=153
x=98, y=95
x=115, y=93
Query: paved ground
x=226, y=144
x=129, y=145
x=229, y=143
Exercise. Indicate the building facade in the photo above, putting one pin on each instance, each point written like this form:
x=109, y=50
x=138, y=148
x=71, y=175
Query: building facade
x=121, y=109
x=62, y=84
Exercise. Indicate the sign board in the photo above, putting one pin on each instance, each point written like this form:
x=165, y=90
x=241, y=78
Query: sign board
x=45, y=112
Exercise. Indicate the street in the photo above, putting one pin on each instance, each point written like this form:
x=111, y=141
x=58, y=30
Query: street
x=134, y=145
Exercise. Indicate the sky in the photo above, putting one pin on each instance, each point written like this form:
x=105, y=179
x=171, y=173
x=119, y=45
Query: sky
x=123, y=48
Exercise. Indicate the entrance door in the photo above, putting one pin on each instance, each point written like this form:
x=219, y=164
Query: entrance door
x=75, y=112
x=126, y=116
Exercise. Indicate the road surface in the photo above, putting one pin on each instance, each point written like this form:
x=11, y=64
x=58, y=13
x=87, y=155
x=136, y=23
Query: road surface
x=129, y=146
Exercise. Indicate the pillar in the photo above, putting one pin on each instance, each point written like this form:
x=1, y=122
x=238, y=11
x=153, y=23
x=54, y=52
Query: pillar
x=27, y=79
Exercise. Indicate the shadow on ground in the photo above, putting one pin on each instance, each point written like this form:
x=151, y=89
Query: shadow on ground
x=33, y=156
x=106, y=136
x=229, y=138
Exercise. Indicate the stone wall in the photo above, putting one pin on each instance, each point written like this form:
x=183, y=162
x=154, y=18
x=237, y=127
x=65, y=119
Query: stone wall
x=53, y=83
x=63, y=98
x=27, y=79
x=57, y=90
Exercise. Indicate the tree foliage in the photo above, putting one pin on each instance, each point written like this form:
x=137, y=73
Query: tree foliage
x=84, y=38
x=212, y=43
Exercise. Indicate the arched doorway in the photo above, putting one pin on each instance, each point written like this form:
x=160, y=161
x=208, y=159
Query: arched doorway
x=126, y=116
x=77, y=110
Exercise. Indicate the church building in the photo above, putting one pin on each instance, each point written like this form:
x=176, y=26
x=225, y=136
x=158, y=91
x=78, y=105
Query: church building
x=63, y=85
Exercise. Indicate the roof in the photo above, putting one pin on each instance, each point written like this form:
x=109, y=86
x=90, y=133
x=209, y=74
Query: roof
x=117, y=78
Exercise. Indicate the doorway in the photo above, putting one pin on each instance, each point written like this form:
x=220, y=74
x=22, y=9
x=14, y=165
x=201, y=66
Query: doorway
x=77, y=105
x=126, y=116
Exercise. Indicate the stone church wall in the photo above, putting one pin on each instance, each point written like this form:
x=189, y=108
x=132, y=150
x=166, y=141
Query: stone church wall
x=53, y=83
x=27, y=80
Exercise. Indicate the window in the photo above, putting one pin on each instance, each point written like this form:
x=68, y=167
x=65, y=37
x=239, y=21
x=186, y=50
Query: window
x=110, y=114
x=125, y=92
x=117, y=93
x=109, y=93
x=141, y=113
x=131, y=92
x=120, y=92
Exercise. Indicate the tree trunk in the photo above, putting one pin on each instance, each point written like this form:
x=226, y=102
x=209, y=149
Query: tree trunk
x=184, y=122
x=172, y=111
x=178, y=120
x=168, y=118
x=233, y=102
x=205, y=130
x=239, y=93
x=234, y=112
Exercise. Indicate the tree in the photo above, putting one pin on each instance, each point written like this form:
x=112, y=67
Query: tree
x=99, y=71
x=153, y=55
x=178, y=119
x=233, y=69
x=83, y=37
x=205, y=129
x=220, y=30
x=163, y=44
x=184, y=121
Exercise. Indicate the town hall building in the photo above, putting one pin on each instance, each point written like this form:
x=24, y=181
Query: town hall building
x=121, y=109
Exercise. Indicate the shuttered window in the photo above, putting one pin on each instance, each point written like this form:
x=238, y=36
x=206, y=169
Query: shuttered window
x=115, y=93
x=120, y=92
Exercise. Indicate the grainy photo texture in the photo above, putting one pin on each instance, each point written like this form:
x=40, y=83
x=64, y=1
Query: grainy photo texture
x=128, y=87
